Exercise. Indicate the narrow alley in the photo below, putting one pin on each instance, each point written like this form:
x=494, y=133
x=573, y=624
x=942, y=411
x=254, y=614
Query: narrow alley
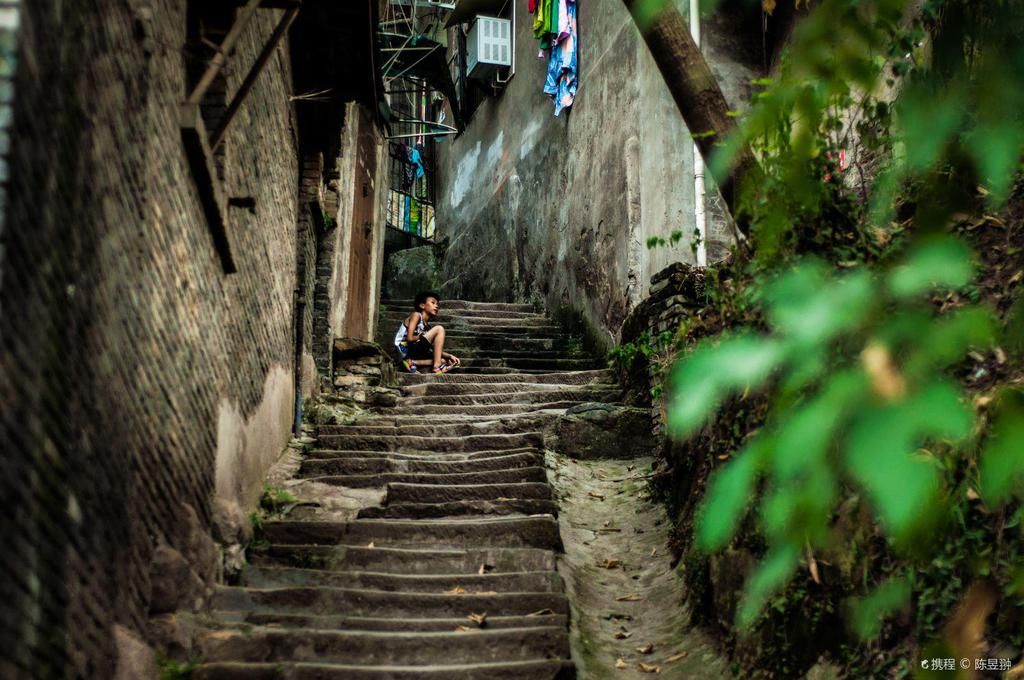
x=511, y=339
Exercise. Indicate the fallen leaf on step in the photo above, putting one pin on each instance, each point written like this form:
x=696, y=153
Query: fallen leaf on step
x=677, y=657
x=462, y=629
x=478, y=619
x=484, y=568
x=621, y=663
x=595, y=495
x=457, y=590
x=370, y=545
x=629, y=598
x=542, y=612
x=622, y=634
x=647, y=668
x=609, y=564
x=646, y=649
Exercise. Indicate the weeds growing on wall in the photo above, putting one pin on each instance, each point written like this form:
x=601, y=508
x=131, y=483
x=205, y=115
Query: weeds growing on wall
x=885, y=139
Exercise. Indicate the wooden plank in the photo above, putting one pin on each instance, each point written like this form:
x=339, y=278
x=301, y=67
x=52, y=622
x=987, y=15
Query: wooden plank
x=250, y=79
x=225, y=49
x=204, y=172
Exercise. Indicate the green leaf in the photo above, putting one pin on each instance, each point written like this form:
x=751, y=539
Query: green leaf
x=1002, y=463
x=771, y=575
x=729, y=492
x=702, y=380
x=805, y=304
x=870, y=611
x=804, y=436
x=881, y=454
x=996, y=146
x=944, y=263
x=798, y=510
x=948, y=339
x=928, y=121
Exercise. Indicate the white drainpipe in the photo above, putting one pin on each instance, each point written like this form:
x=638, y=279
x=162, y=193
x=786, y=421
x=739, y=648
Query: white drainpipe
x=699, y=212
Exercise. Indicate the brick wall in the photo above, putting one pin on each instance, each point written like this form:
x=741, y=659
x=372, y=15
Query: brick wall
x=136, y=378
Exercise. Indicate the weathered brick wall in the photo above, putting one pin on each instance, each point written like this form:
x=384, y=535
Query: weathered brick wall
x=136, y=378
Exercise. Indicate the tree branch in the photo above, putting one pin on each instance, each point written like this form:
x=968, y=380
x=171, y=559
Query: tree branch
x=696, y=93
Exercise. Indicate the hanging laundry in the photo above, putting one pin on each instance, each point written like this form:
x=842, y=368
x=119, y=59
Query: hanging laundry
x=562, y=31
x=416, y=159
x=561, y=82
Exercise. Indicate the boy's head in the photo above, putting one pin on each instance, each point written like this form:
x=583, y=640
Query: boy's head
x=427, y=301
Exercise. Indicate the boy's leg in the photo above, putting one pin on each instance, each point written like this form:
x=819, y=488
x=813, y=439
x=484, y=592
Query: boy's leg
x=435, y=336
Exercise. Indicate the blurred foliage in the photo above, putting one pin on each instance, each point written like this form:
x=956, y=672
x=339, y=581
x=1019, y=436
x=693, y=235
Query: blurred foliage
x=851, y=335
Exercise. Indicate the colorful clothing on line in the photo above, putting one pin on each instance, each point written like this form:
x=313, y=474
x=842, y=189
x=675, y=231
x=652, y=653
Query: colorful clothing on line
x=561, y=82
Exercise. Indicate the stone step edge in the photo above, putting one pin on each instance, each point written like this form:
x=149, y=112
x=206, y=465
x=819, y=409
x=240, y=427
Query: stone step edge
x=556, y=669
x=229, y=618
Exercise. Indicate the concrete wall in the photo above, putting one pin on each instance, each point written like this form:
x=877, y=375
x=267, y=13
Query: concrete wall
x=143, y=391
x=559, y=210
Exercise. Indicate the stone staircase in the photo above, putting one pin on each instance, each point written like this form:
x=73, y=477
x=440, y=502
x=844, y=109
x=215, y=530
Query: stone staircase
x=451, y=573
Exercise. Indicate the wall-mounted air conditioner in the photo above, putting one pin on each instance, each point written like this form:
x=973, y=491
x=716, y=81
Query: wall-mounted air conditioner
x=488, y=47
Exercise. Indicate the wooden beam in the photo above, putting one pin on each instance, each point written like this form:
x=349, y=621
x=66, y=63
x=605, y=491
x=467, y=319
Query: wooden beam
x=250, y=79
x=204, y=172
x=226, y=48
x=696, y=93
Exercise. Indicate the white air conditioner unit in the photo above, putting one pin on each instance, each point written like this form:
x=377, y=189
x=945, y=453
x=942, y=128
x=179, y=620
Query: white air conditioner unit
x=488, y=47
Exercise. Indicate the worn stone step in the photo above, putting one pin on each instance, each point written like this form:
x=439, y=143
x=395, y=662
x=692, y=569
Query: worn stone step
x=412, y=455
x=531, y=396
x=486, y=356
x=473, y=389
x=382, y=465
x=377, y=603
x=403, y=310
x=449, y=493
x=483, y=442
x=499, y=507
x=280, y=577
x=553, y=669
x=503, y=507
x=524, y=364
x=515, y=532
x=466, y=304
x=512, y=476
x=341, y=622
x=393, y=320
x=527, y=416
x=385, y=647
x=491, y=410
x=405, y=560
x=463, y=429
x=503, y=342
x=465, y=369
x=458, y=376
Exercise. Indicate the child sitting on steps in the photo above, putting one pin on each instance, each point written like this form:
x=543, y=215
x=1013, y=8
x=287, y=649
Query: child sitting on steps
x=421, y=344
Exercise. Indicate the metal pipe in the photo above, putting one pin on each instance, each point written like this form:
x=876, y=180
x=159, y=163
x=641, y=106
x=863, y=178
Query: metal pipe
x=699, y=207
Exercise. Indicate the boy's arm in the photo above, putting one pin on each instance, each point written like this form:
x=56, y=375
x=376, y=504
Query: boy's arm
x=410, y=327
